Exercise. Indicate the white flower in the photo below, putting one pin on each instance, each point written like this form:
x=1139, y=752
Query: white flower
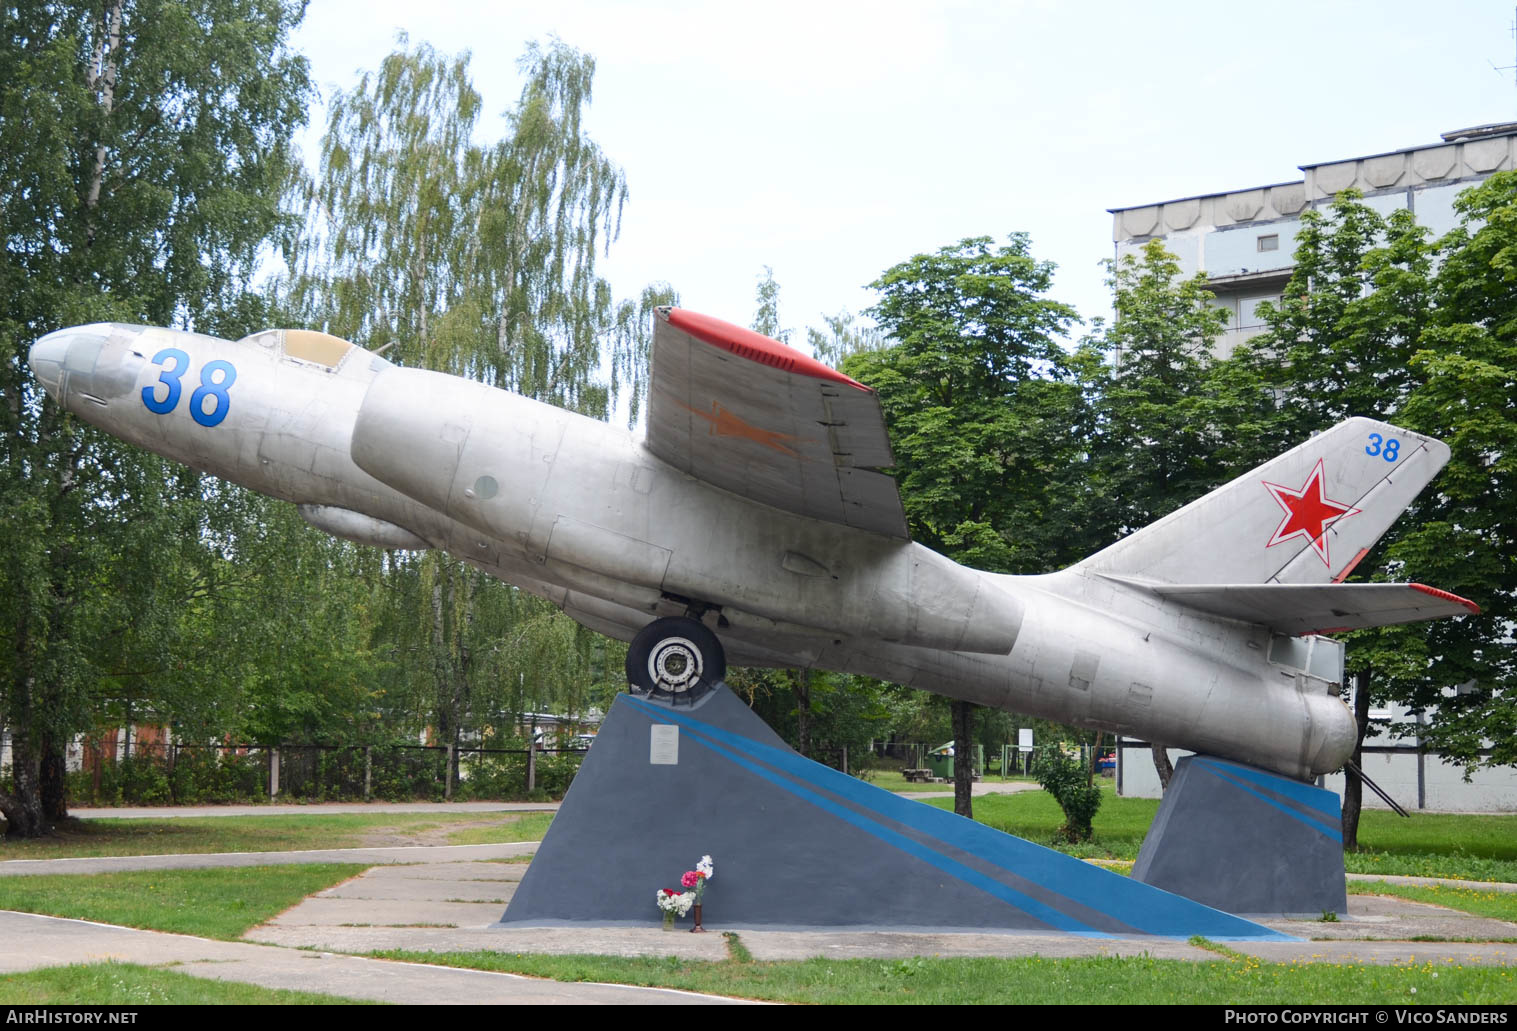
x=679, y=904
x=705, y=867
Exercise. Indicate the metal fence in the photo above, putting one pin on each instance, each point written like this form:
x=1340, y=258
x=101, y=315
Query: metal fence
x=177, y=774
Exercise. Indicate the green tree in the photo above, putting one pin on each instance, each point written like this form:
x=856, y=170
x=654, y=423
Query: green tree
x=842, y=337
x=478, y=260
x=1363, y=319
x=1155, y=435
x=766, y=317
x=1157, y=428
x=1340, y=341
x=1069, y=782
x=143, y=145
x=1465, y=537
x=975, y=388
x=1328, y=354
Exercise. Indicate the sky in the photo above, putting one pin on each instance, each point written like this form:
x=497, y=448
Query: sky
x=830, y=140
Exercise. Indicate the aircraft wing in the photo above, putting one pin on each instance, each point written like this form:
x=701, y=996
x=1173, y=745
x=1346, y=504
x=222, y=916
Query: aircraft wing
x=752, y=416
x=1315, y=608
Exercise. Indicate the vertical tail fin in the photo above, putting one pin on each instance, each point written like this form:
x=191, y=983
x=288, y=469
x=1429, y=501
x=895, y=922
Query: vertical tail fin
x=1306, y=517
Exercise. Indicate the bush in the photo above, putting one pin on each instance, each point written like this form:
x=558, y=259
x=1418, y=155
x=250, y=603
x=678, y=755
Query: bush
x=209, y=775
x=1068, y=781
x=406, y=774
x=194, y=776
x=500, y=776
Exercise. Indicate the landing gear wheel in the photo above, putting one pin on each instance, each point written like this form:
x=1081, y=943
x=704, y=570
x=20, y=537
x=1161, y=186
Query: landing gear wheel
x=675, y=660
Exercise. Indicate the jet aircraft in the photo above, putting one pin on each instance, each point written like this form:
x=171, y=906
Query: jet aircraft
x=752, y=522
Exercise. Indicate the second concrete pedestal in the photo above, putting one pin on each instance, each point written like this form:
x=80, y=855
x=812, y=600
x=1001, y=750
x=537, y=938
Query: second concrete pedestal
x=1246, y=840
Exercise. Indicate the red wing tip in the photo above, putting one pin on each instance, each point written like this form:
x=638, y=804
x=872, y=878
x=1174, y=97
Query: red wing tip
x=756, y=347
x=1447, y=596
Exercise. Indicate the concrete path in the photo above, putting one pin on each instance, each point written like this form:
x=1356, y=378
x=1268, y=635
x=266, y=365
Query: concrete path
x=1389, y=918
x=401, y=907
x=314, y=809
x=30, y=942
x=978, y=788
x=381, y=855
x=1446, y=882
x=449, y=898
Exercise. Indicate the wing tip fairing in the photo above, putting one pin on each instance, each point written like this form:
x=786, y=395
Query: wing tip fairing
x=1448, y=596
x=755, y=347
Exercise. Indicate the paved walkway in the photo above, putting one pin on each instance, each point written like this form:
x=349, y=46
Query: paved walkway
x=450, y=898
x=29, y=942
x=314, y=809
x=378, y=856
x=1446, y=882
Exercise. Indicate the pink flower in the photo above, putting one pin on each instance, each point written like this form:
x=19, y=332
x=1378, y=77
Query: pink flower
x=690, y=879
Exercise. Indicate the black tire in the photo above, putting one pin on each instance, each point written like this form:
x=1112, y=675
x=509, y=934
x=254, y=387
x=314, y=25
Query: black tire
x=675, y=658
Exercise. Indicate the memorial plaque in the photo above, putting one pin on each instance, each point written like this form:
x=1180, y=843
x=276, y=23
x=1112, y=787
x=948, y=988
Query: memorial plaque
x=663, y=745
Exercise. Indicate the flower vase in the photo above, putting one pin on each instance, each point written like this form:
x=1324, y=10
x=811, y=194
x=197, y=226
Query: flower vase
x=697, y=929
x=668, y=920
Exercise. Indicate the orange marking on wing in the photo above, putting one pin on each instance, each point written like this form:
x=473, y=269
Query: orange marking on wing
x=725, y=424
x=1351, y=564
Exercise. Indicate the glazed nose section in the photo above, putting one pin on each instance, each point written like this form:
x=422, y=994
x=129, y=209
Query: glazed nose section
x=95, y=362
x=48, y=357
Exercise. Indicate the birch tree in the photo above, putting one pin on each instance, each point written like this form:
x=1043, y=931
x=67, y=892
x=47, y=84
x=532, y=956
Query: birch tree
x=143, y=145
x=476, y=259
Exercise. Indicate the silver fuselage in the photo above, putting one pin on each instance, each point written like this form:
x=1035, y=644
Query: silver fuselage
x=580, y=513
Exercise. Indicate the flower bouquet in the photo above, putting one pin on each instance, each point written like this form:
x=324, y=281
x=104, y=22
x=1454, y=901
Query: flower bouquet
x=695, y=883
x=674, y=904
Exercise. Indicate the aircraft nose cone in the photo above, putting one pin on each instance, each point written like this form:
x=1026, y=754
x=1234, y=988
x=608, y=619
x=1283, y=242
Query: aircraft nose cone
x=47, y=357
x=96, y=361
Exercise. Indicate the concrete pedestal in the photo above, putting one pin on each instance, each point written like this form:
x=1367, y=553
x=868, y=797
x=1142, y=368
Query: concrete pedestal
x=799, y=845
x=1245, y=840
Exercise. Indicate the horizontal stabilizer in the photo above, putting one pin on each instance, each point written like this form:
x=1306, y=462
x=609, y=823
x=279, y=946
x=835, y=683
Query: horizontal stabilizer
x=1313, y=608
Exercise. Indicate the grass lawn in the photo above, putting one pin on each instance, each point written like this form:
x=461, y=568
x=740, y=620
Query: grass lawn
x=1499, y=905
x=1481, y=848
x=527, y=827
x=216, y=903
x=127, y=984
x=274, y=833
x=939, y=981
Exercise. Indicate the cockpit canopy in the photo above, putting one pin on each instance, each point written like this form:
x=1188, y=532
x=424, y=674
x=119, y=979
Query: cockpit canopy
x=303, y=345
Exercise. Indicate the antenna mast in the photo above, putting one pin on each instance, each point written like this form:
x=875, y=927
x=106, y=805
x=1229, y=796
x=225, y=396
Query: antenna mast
x=1510, y=67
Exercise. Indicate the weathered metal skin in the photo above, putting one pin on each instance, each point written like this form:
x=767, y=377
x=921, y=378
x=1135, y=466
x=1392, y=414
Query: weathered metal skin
x=580, y=513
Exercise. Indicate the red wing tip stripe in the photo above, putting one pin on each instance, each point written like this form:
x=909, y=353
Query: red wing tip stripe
x=755, y=347
x=1447, y=596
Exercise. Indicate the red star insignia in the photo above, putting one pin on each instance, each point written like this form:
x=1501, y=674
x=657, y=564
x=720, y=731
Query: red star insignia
x=1308, y=513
